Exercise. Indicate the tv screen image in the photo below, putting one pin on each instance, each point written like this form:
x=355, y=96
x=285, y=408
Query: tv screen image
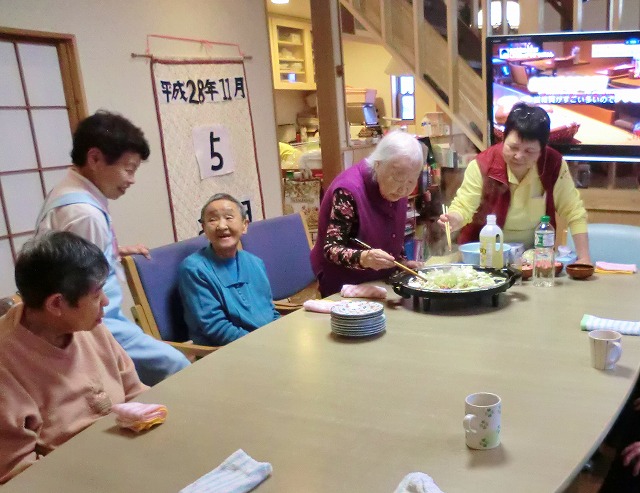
x=589, y=83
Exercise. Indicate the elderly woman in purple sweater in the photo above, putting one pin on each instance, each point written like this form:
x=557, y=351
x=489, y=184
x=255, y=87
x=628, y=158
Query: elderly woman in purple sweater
x=369, y=202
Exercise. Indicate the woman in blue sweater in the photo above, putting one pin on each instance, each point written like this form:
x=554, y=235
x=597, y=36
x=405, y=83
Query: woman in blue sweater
x=225, y=291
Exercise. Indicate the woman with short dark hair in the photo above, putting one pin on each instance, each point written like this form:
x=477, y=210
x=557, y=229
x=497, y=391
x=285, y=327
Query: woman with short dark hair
x=60, y=367
x=519, y=180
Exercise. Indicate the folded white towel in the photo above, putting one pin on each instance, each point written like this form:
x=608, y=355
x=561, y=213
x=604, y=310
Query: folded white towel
x=418, y=482
x=589, y=322
x=363, y=291
x=239, y=473
x=320, y=306
x=604, y=267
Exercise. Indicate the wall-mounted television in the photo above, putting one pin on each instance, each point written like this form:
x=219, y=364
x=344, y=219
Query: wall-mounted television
x=589, y=83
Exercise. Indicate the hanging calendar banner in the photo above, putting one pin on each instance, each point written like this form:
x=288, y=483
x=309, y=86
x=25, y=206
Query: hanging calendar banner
x=207, y=137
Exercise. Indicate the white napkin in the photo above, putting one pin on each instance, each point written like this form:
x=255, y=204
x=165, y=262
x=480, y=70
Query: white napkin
x=239, y=473
x=320, y=306
x=363, y=291
x=417, y=482
x=589, y=322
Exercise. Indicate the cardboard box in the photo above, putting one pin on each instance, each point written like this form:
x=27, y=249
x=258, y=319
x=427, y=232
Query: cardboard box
x=360, y=96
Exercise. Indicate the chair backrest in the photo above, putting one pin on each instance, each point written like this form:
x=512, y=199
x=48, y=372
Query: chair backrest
x=284, y=245
x=159, y=279
x=619, y=243
x=519, y=74
x=564, y=61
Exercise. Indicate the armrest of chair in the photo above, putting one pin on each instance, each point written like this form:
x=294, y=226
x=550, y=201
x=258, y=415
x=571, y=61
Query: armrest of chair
x=191, y=350
x=140, y=317
x=284, y=307
x=295, y=301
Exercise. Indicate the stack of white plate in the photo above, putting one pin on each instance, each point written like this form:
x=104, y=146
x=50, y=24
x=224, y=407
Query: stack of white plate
x=357, y=318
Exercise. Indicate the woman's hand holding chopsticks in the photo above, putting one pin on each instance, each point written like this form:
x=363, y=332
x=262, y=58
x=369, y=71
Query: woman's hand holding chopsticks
x=453, y=218
x=376, y=259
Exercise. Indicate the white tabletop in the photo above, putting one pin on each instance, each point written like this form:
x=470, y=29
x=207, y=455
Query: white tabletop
x=337, y=415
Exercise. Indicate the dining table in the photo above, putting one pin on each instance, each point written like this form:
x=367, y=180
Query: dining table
x=344, y=414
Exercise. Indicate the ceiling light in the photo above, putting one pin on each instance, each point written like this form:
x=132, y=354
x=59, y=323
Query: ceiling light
x=279, y=2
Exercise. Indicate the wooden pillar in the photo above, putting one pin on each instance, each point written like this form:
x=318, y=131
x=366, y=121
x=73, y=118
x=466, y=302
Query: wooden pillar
x=614, y=14
x=485, y=5
x=329, y=71
x=503, y=16
x=577, y=16
x=531, y=16
x=452, y=48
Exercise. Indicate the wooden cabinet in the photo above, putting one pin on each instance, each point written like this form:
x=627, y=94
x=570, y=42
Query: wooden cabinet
x=291, y=54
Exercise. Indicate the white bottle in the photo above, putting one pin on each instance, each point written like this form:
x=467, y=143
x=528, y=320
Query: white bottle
x=544, y=240
x=491, y=245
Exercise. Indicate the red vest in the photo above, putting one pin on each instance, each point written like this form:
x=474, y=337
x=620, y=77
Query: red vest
x=496, y=195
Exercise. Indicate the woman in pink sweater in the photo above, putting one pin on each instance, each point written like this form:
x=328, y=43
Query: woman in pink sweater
x=60, y=368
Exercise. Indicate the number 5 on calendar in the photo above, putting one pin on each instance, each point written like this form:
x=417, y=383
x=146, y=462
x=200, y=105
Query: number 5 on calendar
x=213, y=149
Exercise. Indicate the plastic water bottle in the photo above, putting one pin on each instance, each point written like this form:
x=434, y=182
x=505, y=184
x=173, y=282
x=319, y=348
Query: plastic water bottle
x=491, y=245
x=544, y=239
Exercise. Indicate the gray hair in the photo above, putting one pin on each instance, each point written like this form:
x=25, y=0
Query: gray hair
x=224, y=196
x=396, y=145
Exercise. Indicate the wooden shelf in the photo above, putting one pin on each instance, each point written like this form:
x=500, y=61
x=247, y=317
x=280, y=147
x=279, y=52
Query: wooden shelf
x=298, y=52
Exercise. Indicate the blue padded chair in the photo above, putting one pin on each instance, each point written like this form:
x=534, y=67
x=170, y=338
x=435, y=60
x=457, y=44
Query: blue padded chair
x=154, y=288
x=284, y=245
x=619, y=243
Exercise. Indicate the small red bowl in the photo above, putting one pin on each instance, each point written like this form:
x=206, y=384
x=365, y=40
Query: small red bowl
x=527, y=270
x=559, y=267
x=580, y=271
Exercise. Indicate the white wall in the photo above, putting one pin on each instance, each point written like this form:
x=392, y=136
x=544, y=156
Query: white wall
x=107, y=32
x=288, y=104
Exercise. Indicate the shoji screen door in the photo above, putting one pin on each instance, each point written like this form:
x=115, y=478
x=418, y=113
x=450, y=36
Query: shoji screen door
x=40, y=102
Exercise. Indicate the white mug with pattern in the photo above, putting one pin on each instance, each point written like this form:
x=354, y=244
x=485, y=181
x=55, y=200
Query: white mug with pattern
x=483, y=413
x=605, y=348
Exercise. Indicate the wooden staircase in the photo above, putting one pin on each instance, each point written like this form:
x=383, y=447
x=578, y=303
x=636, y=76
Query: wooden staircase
x=400, y=26
x=444, y=53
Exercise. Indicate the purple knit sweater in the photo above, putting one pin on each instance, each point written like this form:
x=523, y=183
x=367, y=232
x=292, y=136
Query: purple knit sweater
x=381, y=225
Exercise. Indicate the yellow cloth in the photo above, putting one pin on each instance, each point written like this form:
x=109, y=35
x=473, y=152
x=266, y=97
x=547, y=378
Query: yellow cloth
x=527, y=202
x=607, y=271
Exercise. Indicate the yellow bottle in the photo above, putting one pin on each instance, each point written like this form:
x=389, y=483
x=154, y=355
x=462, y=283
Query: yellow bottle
x=491, y=245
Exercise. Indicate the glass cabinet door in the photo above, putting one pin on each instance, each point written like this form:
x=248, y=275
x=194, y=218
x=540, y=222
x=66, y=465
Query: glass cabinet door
x=291, y=54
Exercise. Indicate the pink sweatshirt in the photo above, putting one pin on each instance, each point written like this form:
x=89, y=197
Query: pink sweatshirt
x=48, y=394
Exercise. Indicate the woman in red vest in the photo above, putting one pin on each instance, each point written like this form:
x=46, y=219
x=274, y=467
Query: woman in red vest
x=367, y=201
x=519, y=180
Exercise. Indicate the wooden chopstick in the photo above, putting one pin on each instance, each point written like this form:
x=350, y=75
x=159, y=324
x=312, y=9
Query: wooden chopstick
x=447, y=226
x=398, y=264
